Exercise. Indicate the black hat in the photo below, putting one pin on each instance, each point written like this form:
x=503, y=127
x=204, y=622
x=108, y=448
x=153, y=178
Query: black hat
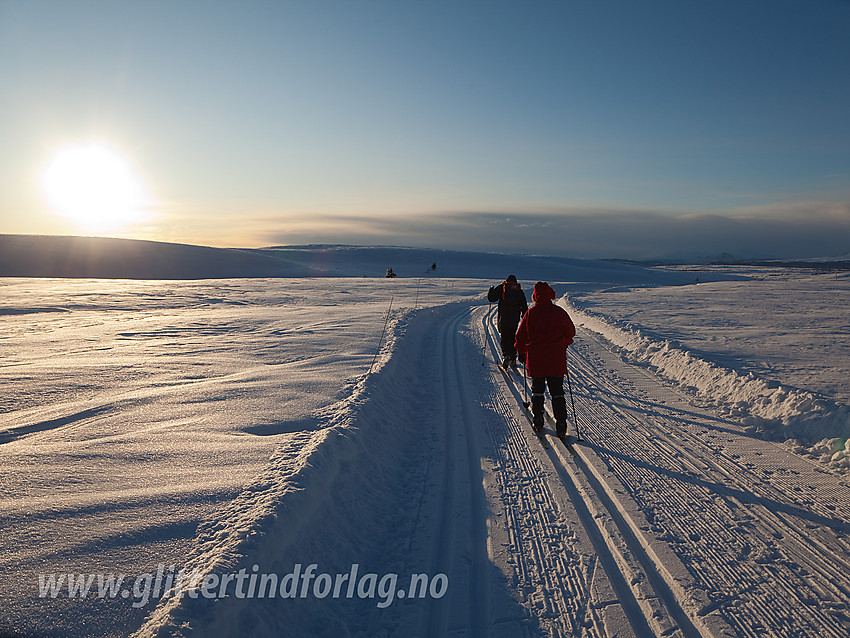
x=511, y=278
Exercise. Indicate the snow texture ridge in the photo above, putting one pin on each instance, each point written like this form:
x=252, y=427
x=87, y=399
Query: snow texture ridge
x=811, y=425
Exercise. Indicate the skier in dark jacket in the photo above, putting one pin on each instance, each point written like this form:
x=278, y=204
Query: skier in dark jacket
x=512, y=306
x=541, y=340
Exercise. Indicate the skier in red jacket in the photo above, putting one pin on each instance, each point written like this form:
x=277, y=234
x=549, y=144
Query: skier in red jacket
x=541, y=341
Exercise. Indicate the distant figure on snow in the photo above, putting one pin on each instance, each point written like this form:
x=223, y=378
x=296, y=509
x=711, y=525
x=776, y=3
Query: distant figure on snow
x=541, y=340
x=390, y=274
x=434, y=266
x=512, y=306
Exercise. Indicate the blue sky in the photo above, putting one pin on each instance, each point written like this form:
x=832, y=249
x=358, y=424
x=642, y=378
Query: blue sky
x=608, y=128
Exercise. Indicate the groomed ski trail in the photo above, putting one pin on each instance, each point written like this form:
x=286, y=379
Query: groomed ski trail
x=461, y=537
x=762, y=532
x=591, y=577
x=715, y=532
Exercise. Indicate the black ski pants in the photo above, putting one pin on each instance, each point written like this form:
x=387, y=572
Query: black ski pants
x=559, y=402
x=507, y=334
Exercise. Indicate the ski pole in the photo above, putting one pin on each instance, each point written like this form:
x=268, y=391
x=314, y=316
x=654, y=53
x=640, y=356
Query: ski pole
x=575, y=420
x=381, y=340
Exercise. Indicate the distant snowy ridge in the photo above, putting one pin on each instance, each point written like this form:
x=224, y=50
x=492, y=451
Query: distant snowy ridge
x=813, y=425
x=110, y=258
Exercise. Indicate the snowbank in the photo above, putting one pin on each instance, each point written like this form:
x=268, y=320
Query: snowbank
x=328, y=496
x=810, y=424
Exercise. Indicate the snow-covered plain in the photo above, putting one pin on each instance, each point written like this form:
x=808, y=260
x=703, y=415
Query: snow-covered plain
x=260, y=426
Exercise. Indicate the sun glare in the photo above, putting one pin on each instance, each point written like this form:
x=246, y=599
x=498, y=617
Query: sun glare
x=95, y=187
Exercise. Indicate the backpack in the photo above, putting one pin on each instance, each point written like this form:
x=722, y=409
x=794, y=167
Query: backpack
x=511, y=293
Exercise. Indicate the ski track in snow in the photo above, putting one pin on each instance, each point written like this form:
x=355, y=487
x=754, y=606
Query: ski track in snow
x=714, y=531
x=461, y=541
x=762, y=534
x=586, y=579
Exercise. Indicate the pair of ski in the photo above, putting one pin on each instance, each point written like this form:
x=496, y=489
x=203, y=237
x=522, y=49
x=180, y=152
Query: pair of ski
x=541, y=435
x=566, y=439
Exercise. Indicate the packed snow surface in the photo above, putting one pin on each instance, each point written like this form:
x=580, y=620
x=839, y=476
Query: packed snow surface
x=341, y=456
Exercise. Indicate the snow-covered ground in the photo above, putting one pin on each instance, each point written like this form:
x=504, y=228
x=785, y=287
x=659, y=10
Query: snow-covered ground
x=267, y=437
x=771, y=350
x=132, y=410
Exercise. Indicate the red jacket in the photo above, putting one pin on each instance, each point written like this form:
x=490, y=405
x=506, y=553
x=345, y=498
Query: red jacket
x=544, y=334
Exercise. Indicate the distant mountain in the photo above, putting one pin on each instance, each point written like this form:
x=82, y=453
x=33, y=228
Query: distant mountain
x=108, y=258
x=100, y=257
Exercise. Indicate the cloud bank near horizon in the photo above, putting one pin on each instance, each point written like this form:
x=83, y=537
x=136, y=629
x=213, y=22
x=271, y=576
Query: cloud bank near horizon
x=797, y=231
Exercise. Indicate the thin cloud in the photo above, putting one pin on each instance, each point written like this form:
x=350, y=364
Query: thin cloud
x=803, y=230
x=785, y=231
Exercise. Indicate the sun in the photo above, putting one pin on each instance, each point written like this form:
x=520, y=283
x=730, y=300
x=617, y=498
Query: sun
x=95, y=187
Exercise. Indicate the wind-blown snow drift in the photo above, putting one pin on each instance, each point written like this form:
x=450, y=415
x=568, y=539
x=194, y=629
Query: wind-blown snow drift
x=811, y=424
x=328, y=496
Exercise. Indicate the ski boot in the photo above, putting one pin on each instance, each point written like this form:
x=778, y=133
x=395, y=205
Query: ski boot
x=561, y=430
x=537, y=427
